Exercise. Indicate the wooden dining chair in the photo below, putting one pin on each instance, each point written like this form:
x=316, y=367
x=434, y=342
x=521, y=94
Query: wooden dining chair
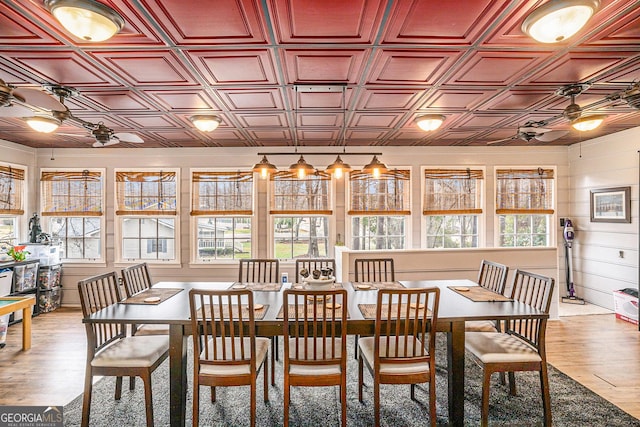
x=136, y=278
x=311, y=264
x=402, y=350
x=110, y=352
x=492, y=276
x=226, y=351
x=521, y=345
x=315, y=342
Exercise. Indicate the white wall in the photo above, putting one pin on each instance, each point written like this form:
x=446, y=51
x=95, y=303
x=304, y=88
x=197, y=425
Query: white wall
x=243, y=158
x=610, y=161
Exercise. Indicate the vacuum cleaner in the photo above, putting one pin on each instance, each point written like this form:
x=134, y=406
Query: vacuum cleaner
x=569, y=236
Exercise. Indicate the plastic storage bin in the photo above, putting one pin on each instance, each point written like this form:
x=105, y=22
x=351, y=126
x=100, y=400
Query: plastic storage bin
x=46, y=254
x=25, y=277
x=49, y=276
x=49, y=299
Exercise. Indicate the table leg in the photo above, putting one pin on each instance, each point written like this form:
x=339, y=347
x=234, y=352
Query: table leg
x=177, y=374
x=26, y=328
x=455, y=359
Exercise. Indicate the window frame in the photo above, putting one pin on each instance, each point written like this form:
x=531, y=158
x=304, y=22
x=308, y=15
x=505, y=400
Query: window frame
x=48, y=218
x=119, y=217
x=193, y=220
x=18, y=217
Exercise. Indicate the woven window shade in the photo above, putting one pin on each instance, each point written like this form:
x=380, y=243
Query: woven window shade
x=146, y=193
x=387, y=195
x=71, y=193
x=221, y=193
x=11, y=190
x=524, y=191
x=292, y=195
x=452, y=191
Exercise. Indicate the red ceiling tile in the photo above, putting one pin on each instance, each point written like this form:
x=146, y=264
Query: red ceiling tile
x=411, y=66
x=234, y=66
x=309, y=66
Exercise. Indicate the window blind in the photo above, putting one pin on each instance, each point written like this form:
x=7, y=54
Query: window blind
x=292, y=195
x=524, y=191
x=146, y=193
x=386, y=195
x=452, y=191
x=221, y=193
x=11, y=190
x=71, y=193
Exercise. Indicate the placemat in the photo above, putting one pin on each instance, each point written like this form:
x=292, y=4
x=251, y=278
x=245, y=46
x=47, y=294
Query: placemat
x=162, y=293
x=368, y=286
x=292, y=309
x=258, y=313
x=306, y=287
x=255, y=286
x=369, y=310
x=479, y=294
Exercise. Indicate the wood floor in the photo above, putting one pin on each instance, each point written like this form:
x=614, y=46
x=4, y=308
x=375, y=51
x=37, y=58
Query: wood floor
x=599, y=351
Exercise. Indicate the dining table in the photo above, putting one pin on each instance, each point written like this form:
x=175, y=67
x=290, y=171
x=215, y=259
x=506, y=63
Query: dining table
x=455, y=308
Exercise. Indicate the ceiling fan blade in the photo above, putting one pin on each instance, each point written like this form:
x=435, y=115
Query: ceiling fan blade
x=99, y=144
x=39, y=98
x=128, y=137
x=551, y=135
x=502, y=140
x=533, y=129
x=15, y=110
x=75, y=135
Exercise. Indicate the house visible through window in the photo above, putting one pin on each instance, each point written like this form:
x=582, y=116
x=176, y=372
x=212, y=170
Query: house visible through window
x=11, y=204
x=72, y=202
x=379, y=209
x=147, y=214
x=451, y=207
x=222, y=205
x=524, y=206
x=300, y=209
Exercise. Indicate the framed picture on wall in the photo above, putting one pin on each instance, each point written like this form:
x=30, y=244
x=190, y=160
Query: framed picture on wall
x=611, y=204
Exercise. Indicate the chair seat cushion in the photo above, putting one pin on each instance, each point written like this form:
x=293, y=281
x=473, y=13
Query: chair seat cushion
x=480, y=326
x=496, y=347
x=367, y=345
x=262, y=348
x=152, y=329
x=136, y=351
x=323, y=351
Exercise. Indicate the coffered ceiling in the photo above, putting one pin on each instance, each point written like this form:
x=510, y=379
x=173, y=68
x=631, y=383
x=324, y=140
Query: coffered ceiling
x=393, y=60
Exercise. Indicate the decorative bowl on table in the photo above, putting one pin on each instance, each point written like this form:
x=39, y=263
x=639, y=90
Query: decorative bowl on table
x=321, y=283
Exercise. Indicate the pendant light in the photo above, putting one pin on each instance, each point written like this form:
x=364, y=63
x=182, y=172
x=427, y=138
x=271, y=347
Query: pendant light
x=338, y=168
x=557, y=20
x=375, y=167
x=264, y=167
x=301, y=168
x=88, y=20
x=42, y=124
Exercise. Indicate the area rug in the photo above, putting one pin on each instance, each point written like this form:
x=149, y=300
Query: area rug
x=572, y=404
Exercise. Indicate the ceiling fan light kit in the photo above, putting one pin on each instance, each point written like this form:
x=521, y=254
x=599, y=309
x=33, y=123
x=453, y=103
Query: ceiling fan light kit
x=206, y=123
x=42, y=124
x=588, y=123
x=557, y=20
x=429, y=122
x=88, y=20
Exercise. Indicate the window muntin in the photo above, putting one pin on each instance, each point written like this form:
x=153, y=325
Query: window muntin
x=379, y=208
x=8, y=233
x=301, y=237
x=222, y=204
x=72, y=202
x=524, y=206
x=451, y=207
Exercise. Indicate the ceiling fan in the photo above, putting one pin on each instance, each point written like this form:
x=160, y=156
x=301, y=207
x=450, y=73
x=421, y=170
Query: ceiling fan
x=103, y=135
x=21, y=102
x=532, y=130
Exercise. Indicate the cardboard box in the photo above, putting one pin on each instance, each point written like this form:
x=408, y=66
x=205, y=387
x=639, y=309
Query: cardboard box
x=625, y=303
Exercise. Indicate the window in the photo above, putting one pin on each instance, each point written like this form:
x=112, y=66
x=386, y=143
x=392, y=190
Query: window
x=300, y=212
x=72, y=202
x=451, y=207
x=146, y=204
x=524, y=206
x=11, y=204
x=379, y=208
x=222, y=206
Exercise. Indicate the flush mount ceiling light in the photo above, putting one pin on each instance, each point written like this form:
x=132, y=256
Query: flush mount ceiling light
x=338, y=168
x=264, y=168
x=205, y=123
x=42, y=124
x=557, y=20
x=302, y=168
x=376, y=167
x=588, y=122
x=429, y=122
x=86, y=19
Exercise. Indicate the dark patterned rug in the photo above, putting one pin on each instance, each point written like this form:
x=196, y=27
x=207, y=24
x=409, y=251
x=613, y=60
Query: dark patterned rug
x=572, y=404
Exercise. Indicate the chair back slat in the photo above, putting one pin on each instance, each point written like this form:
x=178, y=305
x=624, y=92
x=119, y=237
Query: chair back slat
x=96, y=293
x=493, y=276
x=222, y=321
x=313, y=264
x=405, y=325
x=136, y=278
x=259, y=271
x=534, y=290
x=315, y=326
x=374, y=270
